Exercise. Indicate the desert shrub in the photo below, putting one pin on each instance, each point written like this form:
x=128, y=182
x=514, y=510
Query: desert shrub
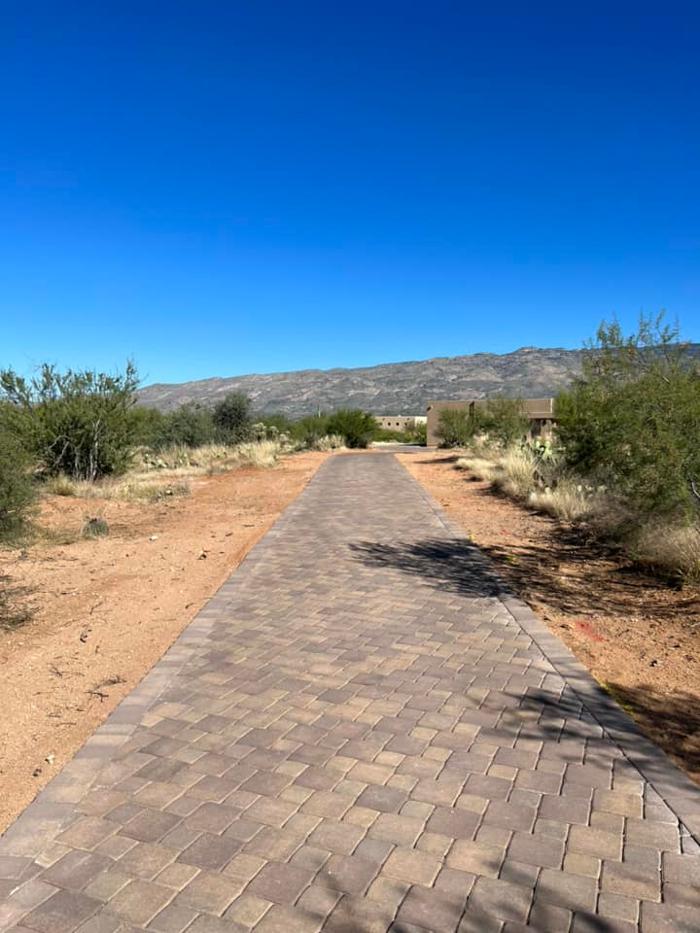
x=190, y=425
x=631, y=421
x=231, y=418
x=79, y=423
x=356, y=426
x=17, y=490
x=502, y=419
x=414, y=433
x=307, y=431
x=456, y=427
x=148, y=424
x=418, y=434
x=499, y=419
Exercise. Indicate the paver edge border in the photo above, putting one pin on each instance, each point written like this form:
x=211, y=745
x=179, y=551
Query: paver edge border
x=674, y=787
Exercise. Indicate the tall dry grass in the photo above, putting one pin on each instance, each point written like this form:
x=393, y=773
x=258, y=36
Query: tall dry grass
x=479, y=467
x=669, y=548
x=522, y=473
x=544, y=485
x=155, y=477
x=567, y=501
x=515, y=473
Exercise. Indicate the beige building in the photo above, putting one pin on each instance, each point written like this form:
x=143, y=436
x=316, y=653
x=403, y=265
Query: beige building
x=540, y=412
x=399, y=422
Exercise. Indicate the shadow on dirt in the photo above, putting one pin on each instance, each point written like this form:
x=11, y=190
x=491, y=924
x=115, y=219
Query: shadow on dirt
x=672, y=720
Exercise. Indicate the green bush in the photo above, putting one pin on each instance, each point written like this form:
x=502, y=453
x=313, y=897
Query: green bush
x=231, y=417
x=418, y=434
x=17, y=489
x=309, y=430
x=190, y=425
x=148, y=425
x=631, y=421
x=503, y=420
x=456, y=427
x=79, y=423
x=356, y=426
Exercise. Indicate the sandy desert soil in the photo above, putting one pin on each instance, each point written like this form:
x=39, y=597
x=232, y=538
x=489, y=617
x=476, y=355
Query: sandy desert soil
x=639, y=637
x=104, y=610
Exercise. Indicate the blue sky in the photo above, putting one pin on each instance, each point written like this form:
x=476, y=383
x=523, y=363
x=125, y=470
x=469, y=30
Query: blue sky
x=215, y=188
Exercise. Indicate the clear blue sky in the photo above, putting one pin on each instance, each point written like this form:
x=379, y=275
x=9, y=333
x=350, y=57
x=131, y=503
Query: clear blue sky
x=216, y=188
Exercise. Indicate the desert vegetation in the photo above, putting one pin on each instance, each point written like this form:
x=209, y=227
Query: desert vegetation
x=623, y=461
x=82, y=434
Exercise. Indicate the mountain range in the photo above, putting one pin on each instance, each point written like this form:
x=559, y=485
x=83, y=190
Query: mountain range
x=388, y=389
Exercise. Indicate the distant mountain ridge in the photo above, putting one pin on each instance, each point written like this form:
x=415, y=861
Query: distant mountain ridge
x=389, y=388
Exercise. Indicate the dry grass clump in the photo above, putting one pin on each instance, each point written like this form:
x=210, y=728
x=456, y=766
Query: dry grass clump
x=95, y=527
x=522, y=473
x=671, y=549
x=138, y=487
x=329, y=442
x=481, y=467
x=181, y=460
x=568, y=501
x=516, y=473
x=60, y=485
x=257, y=453
x=148, y=491
x=212, y=458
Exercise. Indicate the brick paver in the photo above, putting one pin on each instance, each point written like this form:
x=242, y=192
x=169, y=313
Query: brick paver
x=361, y=731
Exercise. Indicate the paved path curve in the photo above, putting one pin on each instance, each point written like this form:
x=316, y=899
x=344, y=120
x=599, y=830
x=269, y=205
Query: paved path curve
x=359, y=733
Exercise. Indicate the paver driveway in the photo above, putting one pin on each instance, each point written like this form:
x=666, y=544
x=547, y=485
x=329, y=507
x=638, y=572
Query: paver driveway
x=357, y=733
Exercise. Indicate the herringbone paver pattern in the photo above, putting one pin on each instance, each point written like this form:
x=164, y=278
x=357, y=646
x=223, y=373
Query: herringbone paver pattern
x=358, y=733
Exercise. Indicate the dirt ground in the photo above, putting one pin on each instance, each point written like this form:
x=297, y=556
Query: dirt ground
x=104, y=610
x=639, y=637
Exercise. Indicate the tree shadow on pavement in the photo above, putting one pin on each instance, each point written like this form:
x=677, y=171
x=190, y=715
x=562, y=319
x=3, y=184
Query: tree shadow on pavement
x=568, y=571
x=448, y=563
x=671, y=720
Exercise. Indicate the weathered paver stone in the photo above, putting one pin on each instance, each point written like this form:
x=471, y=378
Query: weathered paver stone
x=361, y=731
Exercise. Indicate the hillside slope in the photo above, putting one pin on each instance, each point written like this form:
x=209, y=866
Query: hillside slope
x=391, y=388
